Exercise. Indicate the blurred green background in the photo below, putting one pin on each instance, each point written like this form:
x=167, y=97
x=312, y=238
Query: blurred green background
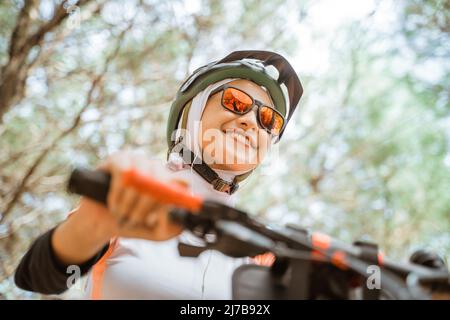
x=367, y=155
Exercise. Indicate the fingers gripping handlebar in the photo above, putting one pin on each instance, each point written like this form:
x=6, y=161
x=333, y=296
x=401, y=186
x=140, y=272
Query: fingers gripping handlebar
x=95, y=185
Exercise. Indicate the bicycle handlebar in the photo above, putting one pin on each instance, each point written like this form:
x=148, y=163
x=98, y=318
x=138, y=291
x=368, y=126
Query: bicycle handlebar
x=238, y=235
x=95, y=185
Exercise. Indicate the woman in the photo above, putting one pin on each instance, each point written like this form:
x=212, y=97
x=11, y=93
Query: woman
x=224, y=119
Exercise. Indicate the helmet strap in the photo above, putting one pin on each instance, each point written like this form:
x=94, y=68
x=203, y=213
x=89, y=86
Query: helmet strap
x=205, y=171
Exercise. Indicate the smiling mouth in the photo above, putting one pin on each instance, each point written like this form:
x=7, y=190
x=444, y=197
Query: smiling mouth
x=240, y=137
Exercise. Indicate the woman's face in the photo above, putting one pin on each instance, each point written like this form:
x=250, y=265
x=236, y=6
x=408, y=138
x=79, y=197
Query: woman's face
x=230, y=141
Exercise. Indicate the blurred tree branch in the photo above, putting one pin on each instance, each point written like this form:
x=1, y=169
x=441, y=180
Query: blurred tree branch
x=89, y=100
x=14, y=73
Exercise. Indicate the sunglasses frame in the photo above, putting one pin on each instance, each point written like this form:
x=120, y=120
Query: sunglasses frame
x=255, y=103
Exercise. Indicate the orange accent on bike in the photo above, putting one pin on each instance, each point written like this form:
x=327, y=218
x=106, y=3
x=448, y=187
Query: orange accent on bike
x=320, y=241
x=380, y=258
x=339, y=259
x=168, y=194
x=265, y=259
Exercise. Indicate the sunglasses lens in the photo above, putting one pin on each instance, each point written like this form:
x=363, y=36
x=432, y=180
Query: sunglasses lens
x=236, y=100
x=271, y=120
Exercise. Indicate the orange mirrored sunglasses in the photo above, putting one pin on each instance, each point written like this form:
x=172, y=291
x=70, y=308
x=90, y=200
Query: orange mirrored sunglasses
x=240, y=102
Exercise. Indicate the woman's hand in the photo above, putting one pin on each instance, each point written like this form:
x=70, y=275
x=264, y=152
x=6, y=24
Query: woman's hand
x=128, y=213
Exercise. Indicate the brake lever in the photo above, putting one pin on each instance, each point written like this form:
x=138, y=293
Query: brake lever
x=220, y=232
x=191, y=251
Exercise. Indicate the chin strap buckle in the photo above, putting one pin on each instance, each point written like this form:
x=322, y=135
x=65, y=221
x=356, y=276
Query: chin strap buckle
x=203, y=169
x=224, y=186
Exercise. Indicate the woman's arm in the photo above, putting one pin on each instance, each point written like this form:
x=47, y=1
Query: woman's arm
x=41, y=271
x=83, y=238
x=80, y=240
x=83, y=234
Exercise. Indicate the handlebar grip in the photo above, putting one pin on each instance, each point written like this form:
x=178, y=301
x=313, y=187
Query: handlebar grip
x=93, y=184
